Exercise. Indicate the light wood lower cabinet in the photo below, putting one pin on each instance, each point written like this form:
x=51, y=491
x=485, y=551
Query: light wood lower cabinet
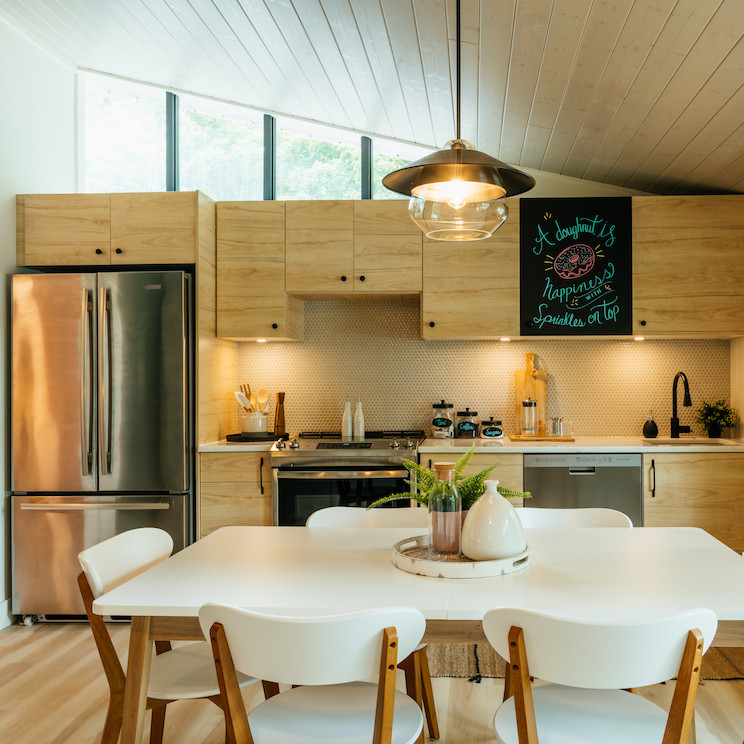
x=509, y=473
x=696, y=490
x=235, y=490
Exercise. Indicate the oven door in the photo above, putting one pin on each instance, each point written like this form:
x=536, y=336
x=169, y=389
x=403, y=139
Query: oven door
x=299, y=493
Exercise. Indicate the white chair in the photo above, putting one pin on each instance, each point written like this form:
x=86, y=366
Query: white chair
x=183, y=673
x=590, y=663
x=416, y=666
x=555, y=518
x=324, y=657
x=351, y=516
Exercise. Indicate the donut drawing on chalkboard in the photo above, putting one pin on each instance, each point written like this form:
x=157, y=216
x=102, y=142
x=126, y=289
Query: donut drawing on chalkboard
x=574, y=261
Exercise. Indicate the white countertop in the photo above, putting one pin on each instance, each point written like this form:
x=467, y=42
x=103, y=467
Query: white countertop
x=224, y=446
x=581, y=445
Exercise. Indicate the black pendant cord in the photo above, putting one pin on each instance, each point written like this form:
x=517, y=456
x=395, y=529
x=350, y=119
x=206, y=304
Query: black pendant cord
x=457, y=33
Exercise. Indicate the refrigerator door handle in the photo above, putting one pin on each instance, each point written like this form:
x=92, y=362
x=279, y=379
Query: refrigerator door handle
x=105, y=386
x=86, y=386
x=94, y=507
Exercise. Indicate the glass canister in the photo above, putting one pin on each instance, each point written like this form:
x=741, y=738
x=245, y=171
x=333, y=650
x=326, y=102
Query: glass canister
x=529, y=417
x=441, y=424
x=467, y=424
x=445, y=515
x=491, y=429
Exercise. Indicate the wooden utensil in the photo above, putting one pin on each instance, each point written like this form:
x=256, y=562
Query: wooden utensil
x=262, y=398
x=240, y=397
x=532, y=383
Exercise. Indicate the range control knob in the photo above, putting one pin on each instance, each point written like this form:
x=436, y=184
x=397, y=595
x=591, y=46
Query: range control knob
x=409, y=444
x=395, y=444
x=294, y=444
x=281, y=444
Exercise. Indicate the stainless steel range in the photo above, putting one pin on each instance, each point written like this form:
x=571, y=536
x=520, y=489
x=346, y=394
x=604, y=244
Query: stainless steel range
x=320, y=469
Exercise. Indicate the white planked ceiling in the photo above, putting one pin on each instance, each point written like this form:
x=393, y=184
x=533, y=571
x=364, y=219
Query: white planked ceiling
x=646, y=94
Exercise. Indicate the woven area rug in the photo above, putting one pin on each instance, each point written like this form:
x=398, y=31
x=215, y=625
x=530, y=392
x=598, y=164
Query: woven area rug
x=460, y=660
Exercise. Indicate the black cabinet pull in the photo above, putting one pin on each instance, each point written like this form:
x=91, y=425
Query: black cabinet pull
x=431, y=324
x=260, y=475
x=343, y=278
x=274, y=325
x=643, y=322
x=118, y=250
x=653, y=479
x=99, y=251
x=361, y=278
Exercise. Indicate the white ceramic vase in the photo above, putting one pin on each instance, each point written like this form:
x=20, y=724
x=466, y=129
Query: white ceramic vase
x=492, y=529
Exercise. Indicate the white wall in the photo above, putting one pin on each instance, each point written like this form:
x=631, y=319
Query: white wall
x=37, y=155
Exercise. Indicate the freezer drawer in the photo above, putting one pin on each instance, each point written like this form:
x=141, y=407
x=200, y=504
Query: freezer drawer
x=48, y=532
x=582, y=481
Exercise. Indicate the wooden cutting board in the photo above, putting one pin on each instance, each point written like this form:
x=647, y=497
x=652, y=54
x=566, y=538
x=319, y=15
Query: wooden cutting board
x=532, y=383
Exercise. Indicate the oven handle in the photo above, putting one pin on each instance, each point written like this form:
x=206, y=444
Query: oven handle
x=336, y=474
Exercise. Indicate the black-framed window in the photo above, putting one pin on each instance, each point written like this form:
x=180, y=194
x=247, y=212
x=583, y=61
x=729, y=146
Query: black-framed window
x=138, y=138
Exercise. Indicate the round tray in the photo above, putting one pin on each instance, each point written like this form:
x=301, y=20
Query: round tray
x=411, y=555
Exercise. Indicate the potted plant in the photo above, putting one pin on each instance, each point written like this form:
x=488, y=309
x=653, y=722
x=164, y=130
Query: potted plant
x=470, y=488
x=715, y=416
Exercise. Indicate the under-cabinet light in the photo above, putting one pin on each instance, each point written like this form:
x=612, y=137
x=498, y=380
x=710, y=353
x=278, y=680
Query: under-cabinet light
x=260, y=340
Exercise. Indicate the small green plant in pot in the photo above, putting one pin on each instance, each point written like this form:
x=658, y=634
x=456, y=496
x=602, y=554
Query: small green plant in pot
x=714, y=417
x=470, y=488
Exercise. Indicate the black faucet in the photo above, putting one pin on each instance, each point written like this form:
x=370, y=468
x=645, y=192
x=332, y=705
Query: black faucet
x=676, y=428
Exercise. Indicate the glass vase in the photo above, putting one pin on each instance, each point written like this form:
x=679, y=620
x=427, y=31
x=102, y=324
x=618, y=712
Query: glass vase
x=445, y=515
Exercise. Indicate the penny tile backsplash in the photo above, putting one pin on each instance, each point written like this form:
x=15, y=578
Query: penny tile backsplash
x=374, y=350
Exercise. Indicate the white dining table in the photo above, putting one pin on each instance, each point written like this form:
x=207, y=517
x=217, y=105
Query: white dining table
x=588, y=572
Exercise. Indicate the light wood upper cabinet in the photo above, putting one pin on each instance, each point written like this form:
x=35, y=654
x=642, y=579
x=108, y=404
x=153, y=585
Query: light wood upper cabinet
x=688, y=265
x=320, y=246
x=251, y=298
x=235, y=490
x=471, y=290
x=387, y=248
x=696, y=489
x=154, y=228
x=63, y=229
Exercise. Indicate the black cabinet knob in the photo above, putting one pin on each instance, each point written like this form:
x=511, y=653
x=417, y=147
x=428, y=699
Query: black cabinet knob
x=343, y=278
x=274, y=325
x=361, y=278
x=99, y=251
x=431, y=324
x=643, y=322
x=119, y=250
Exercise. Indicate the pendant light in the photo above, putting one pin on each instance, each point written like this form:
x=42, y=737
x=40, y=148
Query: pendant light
x=456, y=193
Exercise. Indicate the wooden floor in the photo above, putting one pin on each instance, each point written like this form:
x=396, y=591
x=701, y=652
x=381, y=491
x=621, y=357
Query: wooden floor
x=52, y=691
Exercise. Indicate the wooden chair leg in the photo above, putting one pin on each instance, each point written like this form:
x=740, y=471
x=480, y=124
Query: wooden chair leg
x=236, y=720
x=383, y=730
x=157, y=727
x=520, y=678
x=683, y=703
x=112, y=725
x=411, y=666
x=429, y=707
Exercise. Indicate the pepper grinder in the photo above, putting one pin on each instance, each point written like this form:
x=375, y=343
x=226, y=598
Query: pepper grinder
x=279, y=425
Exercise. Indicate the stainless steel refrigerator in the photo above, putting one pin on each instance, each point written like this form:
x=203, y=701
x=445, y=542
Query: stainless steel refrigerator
x=102, y=426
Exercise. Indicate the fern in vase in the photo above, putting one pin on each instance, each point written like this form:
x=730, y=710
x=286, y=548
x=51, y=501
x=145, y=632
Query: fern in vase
x=470, y=488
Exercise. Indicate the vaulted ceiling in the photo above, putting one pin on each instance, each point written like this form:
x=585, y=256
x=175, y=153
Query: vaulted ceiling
x=646, y=94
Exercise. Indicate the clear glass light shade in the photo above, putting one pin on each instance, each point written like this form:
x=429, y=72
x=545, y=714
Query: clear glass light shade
x=458, y=192
x=441, y=220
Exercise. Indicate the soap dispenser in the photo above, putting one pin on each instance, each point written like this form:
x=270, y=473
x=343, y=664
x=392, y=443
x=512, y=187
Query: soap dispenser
x=650, y=430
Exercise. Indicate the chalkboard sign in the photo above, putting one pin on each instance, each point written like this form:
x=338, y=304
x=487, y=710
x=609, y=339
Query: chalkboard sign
x=575, y=273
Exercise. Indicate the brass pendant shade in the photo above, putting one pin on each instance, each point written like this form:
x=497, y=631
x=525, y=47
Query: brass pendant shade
x=484, y=178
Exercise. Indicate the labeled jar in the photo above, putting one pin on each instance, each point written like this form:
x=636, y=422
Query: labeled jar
x=491, y=429
x=445, y=515
x=529, y=417
x=467, y=424
x=441, y=424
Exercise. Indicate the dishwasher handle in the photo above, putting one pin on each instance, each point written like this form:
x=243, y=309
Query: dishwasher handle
x=581, y=471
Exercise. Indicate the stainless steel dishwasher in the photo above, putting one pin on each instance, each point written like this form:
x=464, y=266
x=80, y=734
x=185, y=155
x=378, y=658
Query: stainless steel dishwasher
x=575, y=481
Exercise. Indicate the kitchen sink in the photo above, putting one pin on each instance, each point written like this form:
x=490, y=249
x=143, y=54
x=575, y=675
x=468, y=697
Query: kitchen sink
x=697, y=441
